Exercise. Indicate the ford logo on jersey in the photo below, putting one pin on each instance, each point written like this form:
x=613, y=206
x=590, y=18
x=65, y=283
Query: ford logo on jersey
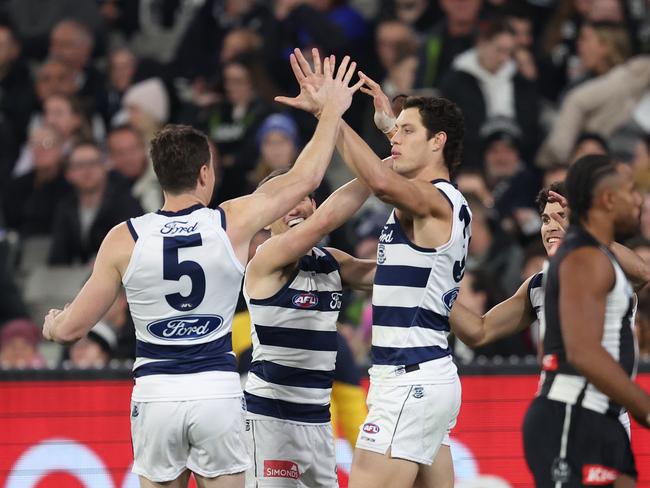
x=305, y=300
x=183, y=328
x=450, y=297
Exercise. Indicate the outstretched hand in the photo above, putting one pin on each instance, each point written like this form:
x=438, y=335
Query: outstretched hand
x=384, y=116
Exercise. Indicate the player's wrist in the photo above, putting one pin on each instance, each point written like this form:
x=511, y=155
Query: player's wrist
x=384, y=122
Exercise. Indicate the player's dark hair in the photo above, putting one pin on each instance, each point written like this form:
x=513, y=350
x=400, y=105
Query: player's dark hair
x=441, y=115
x=488, y=29
x=542, y=197
x=178, y=152
x=278, y=172
x=581, y=180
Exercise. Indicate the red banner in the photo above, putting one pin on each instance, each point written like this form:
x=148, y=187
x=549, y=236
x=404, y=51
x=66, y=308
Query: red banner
x=76, y=434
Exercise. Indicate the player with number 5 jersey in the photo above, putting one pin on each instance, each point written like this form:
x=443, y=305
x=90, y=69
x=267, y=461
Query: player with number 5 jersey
x=414, y=394
x=182, y=269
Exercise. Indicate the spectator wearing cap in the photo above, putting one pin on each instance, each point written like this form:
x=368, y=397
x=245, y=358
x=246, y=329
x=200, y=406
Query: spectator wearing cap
x=145, y=107
x=19, y=340
x=485, y=83
x=97, y=204
x=512, y=184
x=96, y=349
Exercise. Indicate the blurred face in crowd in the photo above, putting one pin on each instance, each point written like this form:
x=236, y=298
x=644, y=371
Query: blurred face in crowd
x=501, y=160
x=86, y=353
x=17, y=352
x=47, y=149
x=593, y=51
x=411, y=146
x=588, y=146
x=9, y=49
x=461, y=10
x=278, y=150
x=121, y=68
x=523, y=29
x=86, y=170
x=551, y=230
x=409, y=10
x=554, y=174
x=296, y=216
x=390, y=35
x=238, y=84
x=495, y=52
x=70, y=44
x=54, y=78
x=126, y=153
x=238, y=41
x=60, y=115
x=605, y=11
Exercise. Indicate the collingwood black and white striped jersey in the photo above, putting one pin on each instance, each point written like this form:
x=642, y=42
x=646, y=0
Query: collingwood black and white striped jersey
x=560, y=381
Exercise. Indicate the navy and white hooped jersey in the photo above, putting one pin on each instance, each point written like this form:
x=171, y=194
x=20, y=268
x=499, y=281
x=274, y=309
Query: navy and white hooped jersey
x=182, y=284
x=560, y=381
x=295, y=344
x=536, y=298
x=412, y=297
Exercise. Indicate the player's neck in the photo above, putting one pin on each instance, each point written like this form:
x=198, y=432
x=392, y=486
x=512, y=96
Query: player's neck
x=431, y=173
x=175, y=203
x=600, y=227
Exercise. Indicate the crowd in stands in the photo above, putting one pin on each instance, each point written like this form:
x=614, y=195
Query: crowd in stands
x=85, y=85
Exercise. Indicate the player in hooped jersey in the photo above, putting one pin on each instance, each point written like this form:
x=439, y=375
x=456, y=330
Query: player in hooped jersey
x=293, y=291
x=414, y=396
x=572, y=436
x=182, y=269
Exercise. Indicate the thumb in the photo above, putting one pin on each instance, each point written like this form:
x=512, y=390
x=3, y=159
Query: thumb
x=291, y=102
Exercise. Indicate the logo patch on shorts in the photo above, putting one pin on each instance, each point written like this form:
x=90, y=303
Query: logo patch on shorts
x=135, y=412
x=418, y=392
x=597, y=475
x=370, y=428
x=275, y=468
x=560, y=471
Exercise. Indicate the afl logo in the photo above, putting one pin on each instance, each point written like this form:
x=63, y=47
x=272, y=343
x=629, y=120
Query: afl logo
x=305, y=300
x=370, y=428
x=449, y=298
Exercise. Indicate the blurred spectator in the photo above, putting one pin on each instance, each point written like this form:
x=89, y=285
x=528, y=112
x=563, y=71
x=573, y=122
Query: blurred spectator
x=419, y=14
x=11, y=302
x=642, y=324
x=122, y=65
x=146, y=108
x=16, y=88
x=71, y=42
x=518, y=16
x=534, y=258
x=641, y=163
x=555, y=172
x=588, y=143
x=393, y=37
x=450, y=37
x=31, y=200
x=239, y=42
x=492, y=251
x=96, y=349
x=127, y=156
x=120, y=321
x=83, y=219
x=19, y=340
x=67, y=115
x=600, y=105
x=485, y=83
x=473, y=181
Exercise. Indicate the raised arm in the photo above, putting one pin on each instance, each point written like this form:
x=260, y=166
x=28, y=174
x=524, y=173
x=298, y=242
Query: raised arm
x=284, y=249
x=507, y=318
x=587, y=276
x=97, y=295
x=279, y=195
x=356, y=273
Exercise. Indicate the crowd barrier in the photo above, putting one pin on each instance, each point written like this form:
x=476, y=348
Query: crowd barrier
x=71, y=429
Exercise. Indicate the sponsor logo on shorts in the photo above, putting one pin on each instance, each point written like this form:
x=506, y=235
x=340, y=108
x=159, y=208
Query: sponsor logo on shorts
x=183, y=328
x=135, y=412
x=367, y=439
x=597, y=475
x=560, y=471
x=370, y=428
x=305, y=300
x=549, y=362
x=275, y=468
x=418, y=392
x=248, y=425
x=450, y=297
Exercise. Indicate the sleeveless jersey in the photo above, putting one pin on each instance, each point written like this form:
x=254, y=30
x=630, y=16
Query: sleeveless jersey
x=413, y=293
x=560, y=381
x=295, y=344
x=182, y=284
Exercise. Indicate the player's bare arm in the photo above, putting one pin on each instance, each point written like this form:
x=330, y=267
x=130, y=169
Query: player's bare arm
x=587, y=277
x=384, y=115
x=358, y=274
x=99, y=292
x=281, y=194
x=507, y=318
x=275, y=260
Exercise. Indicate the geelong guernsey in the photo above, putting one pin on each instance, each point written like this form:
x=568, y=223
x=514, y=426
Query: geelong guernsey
x=295, y=344
x=182, y=284
x=413, y=293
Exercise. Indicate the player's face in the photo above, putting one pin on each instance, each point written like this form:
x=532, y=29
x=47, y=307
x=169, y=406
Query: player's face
x=412, y=150
x=296, y=216
x=627, y=203
x=551, y=230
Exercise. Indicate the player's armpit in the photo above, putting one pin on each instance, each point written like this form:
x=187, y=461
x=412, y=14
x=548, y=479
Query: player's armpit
x=356, y=273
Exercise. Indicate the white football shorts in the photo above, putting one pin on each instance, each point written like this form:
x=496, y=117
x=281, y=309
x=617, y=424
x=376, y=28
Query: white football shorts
x=204, y=436
x=413, y=421
x=290, y=455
